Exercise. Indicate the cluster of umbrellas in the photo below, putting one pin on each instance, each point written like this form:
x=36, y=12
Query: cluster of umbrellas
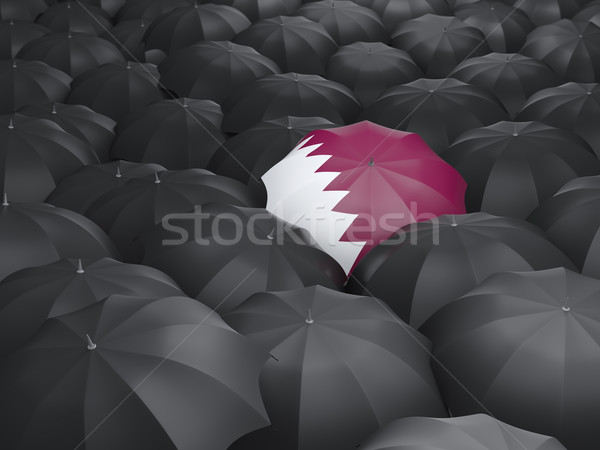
x=299, y=224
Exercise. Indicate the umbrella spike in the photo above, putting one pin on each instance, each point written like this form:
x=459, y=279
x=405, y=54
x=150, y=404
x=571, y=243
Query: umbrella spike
x=156, y=178
x=91, y=345
x=54, y=108
x=567, y=306
x=453, y=224
x=309, y=318
x=185, y=104
x=10, y=123
x=12, y=22
x=14, y=64
x=5, y=199
x=69, y=35
x=271, y=234
x=229, y=47
x=118, y=174
x=80, y=266
x=371, y=163
x=128, y=64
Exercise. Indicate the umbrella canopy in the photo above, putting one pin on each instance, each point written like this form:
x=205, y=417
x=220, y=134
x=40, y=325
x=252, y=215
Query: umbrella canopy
x=35, y=155
x=92, y=128
x=127, y=36
x=432, y=263
x=116, y=90
x=589, y=13
x=127, y=212
x=437, y=110
x=213, y=69
x=177, y=133
x=511, y=167
x=475, y=432
x=504, y=27
x=75, y=17
x=30, y=296
x=571, y=49
x=352, y=187
x=221, y=254
x=78, y=191
x=570, y=218
x=541, y=374
x=73, y=53
x=296, y=44
x=25, y=83
x=394, y=12
x=511, y=77
x=294, y=94
x=439, y=43
x=22, y=9
x=549, y=11
x=148, y=9
x=341, y=365
x=191, y=24
x=369, y=68
x=573, y=106
x=33, y=234
x=15, y=34
x=345, y=21
x=261, y=9
x=103, y=377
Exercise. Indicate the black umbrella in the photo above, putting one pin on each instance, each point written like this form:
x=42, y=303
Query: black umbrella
x=548, y=11
x=15, y=34
x=127, y=36
x=291, y=94
x=395, y=12
x=212, y=69
x=25, y=83
x=511, y=167
x=221, y=254
x=35, y=155
x=571, y=49
x=570, y=218
x=191, y=24
x=78, y=191
x=22, y=9
x=72, y=53
x=478, y=431
x=127, y=212
x=296, y=44
x=341, y=366
x=261, y=9
x=30, y=296
x=92, y=128
x=431, y=263
x=439, y=43
x=345, y=21
x=132, y=372
x=589, y=13
x=524, y=346
x=573, y=106
x=148, y=10
x=369, y=68
x=32, y=234
x=437, y=110
x=178, y=134
x=111, y=7
x=116, y=90
x=75, y=17
x=512, y=77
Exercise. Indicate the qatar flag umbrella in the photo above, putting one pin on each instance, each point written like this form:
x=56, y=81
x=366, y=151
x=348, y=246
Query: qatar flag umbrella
x=261, y=9
x=92, y=128
x=394, y=12
x=73, y=53
x=511, y=77
x=437, y=110
x=511, y=167
x=30, y=296
x=369, y=68
x=504, y=27
x=132, y=372
x=213, y=69
x=430, y=264
x=571, y=49
x=148, y=10
x=341, y=366
x=22, y=9
x=191, y=24
x=439, y=43
x=25, y=83
x=127, y=212
x=127, y=37
x=175, y=133
x=35, y=155
x=573, y=106
x=571, y=220
x=524, y=346
x=221, y=254
x=75, y=17
x=548, y=11
x=116, y=89
x=474, y=432
x=14, y=34
x=293, y=94
x=295, y=43
x=79, y=190
x=345, y=21
x=352, y=187
x=32, y=234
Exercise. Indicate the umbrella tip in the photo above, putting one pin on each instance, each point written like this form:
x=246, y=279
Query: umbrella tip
x=271, y=234
x=5, y=199
x=14, y=64
x=129, y=64
x=229, y=47
x=445, y=29
x=309, y=320
x=589, y=92
x=156, y=178
x=12, y=22
x=185, y=104
x=567, y=306
x=54, y=108
x=371, y=163
x=10, y=123
x=453, y=224
x=370, y=51
x=80, y=266
x=70, y=35
x=118, y=174
x=507, y=58
x=91, y=345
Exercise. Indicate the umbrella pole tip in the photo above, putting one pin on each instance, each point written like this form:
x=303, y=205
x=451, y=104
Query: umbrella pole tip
x=371, y=163
x=309, y=320
x=156, y=178
x=567, y=306
x=453, y=224
x=5, y=199
x=80, y=266
x=91, y=345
